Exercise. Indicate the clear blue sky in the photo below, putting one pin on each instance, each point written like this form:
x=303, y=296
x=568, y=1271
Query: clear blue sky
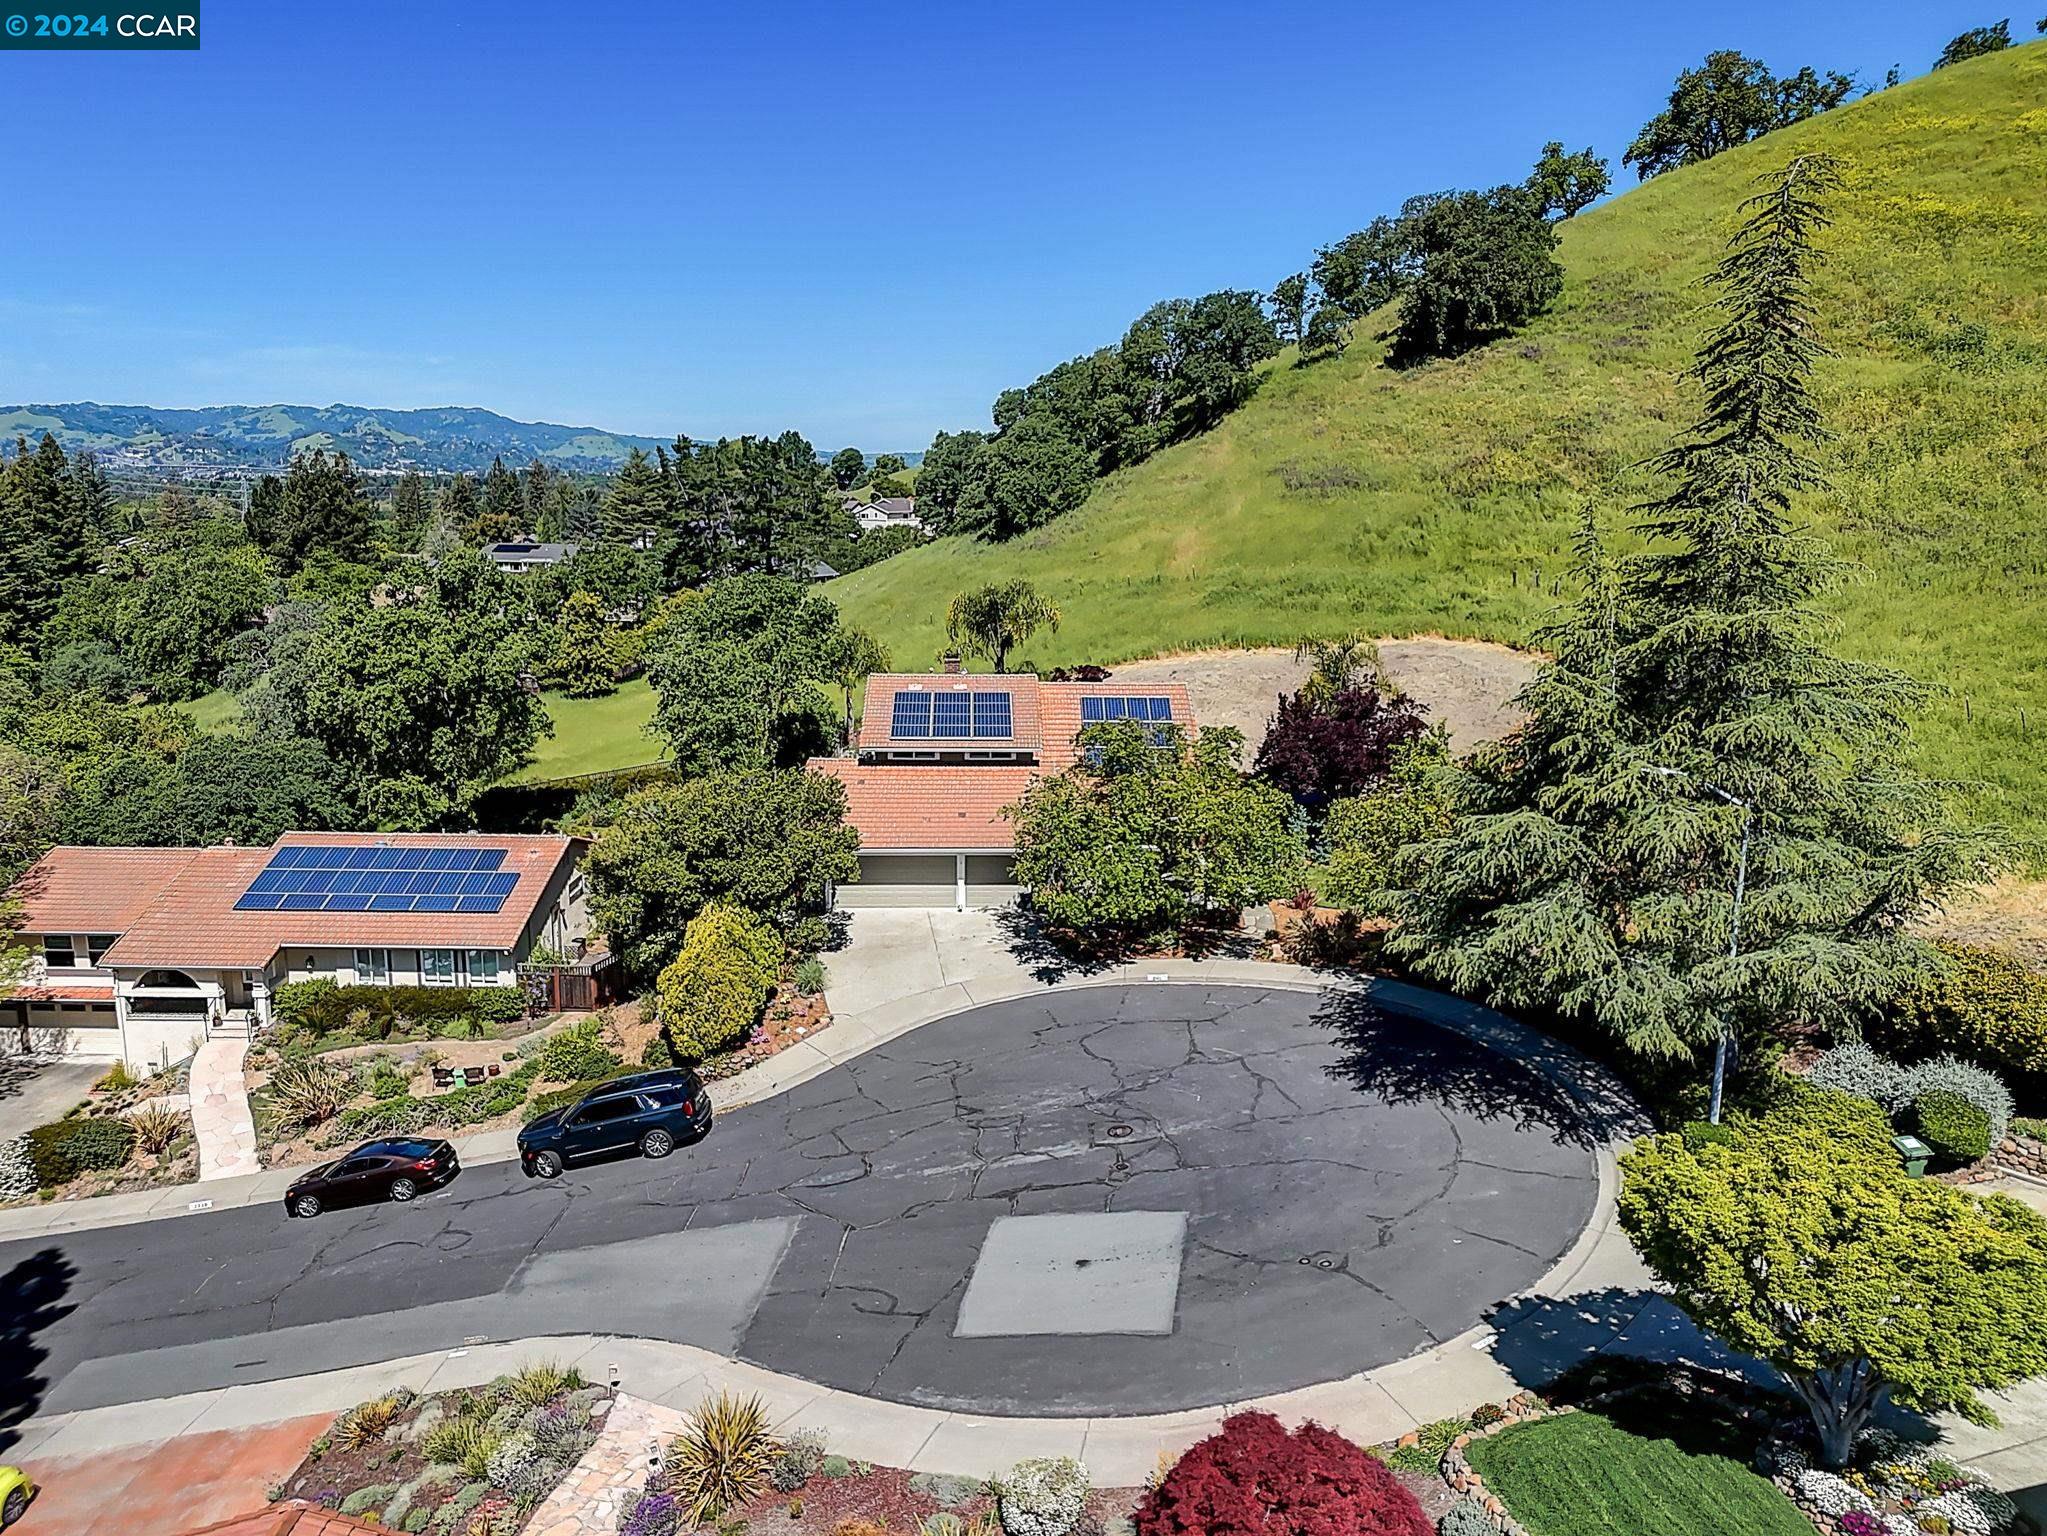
x=860, y=220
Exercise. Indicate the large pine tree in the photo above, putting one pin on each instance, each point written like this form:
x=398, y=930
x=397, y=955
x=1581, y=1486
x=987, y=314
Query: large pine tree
x=1694, y=701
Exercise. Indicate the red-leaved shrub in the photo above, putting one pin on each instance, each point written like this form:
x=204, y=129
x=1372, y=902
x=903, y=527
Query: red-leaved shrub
x=1256, y=1479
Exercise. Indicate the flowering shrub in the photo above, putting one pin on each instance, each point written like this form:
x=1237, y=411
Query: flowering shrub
x=1254, y=1478
x=657, y=1514
x=1861, y=1523
x=1044, y=1497
x=1832, y=1495
x=1961, y=1511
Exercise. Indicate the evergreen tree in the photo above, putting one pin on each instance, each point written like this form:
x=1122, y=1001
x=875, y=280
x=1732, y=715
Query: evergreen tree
x=266, y=501
x=536, y=486
x=638, y=503
x=321, y=508
x=92, y=499
x=408, y=503
x=504, y=506
x=849, y=468
x=1693, y=727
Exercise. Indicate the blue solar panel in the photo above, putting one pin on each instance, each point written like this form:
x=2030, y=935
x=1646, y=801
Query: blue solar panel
x=991, y=714
x=911, y=716
x=1098, y=707
x=377, y=878
x=952, y=715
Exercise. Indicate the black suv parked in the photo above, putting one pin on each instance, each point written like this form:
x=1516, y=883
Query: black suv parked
x=650, y=1112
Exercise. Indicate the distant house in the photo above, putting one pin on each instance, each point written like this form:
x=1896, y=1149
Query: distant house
x=137, y=953
x=817, y=570
x=884, y=512
x=938, y=757
x=527, y=554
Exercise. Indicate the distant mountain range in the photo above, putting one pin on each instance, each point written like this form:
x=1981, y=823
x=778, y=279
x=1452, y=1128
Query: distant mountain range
x=443, y=438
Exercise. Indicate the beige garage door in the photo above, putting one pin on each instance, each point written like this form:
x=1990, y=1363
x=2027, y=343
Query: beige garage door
x=902, y=880
x=991, y=880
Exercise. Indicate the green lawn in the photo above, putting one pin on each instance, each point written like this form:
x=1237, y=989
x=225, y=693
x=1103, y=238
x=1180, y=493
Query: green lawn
x=216, y=711
x=1442, y=499
x=594, y=735
x=1673, y=1471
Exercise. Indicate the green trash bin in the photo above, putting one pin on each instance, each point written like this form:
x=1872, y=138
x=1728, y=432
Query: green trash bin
x=1914, y=1154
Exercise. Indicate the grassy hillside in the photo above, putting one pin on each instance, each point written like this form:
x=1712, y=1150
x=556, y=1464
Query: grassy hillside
x=1349, y=495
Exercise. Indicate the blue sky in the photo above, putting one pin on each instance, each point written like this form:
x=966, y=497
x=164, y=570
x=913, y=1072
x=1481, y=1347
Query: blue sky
x=860, y=220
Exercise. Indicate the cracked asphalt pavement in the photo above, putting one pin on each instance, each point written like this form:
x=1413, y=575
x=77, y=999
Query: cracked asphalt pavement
x=1358, y=1184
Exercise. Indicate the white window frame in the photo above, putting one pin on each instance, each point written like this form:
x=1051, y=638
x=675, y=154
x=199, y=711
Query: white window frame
x=373, y=967
x=431, y=974
x=470, y=967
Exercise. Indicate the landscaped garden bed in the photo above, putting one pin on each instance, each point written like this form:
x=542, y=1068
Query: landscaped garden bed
x=129, y=1133
x=309, y=1104
x=474, y=1462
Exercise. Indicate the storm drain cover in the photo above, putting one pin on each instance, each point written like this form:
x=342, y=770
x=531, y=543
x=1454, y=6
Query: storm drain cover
x=1080, y=1273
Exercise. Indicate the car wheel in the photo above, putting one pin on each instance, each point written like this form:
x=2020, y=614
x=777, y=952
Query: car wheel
x=403, y=1190
x=17, y=1501
x=306, y=1205
x=548, y=1164
x=657, y=1143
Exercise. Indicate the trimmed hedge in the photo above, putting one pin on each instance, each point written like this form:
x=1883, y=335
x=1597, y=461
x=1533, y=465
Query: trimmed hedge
x=575, y=1054
x=61, y=1151
x=1981, y=1003
x=1952, y=1126
x=717, y=988
x=320, y=1007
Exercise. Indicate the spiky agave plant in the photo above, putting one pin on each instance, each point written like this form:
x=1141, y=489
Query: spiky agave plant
x=721, y=1458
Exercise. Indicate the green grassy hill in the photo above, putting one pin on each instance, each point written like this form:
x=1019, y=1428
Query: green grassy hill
x=1348, y=495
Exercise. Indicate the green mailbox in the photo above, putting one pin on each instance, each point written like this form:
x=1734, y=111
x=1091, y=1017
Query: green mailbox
x=1913, y=1153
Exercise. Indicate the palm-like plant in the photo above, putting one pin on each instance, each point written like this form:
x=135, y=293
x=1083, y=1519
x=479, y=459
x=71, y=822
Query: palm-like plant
x=307, y=1093
x=993, y=620
x=721, y=1458
x=157, y=1127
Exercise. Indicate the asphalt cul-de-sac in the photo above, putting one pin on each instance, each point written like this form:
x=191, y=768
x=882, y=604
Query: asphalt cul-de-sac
x=1355, y=1183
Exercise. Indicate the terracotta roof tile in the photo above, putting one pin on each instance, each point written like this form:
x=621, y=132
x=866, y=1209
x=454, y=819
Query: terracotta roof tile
x=1059, y=707
x=63, y=992
x=941, y=806
x=95, y=890
x=189, y=917
x=879, y=709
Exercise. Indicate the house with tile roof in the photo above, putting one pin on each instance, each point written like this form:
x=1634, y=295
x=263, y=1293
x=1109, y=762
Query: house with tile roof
x=937, y=758
x=137, y=954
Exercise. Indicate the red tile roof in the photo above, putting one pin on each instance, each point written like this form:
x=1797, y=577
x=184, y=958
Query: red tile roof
x=294, y=1518
x=63, y=992
x=95, y=890
x=939, y=806
x=879, y=709
x=1059, y=706
x=189, y=918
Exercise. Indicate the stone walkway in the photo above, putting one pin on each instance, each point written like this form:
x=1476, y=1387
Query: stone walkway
x=606, y=1483
x=221, y=1118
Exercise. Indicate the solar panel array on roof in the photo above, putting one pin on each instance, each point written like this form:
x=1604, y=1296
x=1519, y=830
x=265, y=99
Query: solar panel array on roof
x=368, y=878
x=1098, y=707
x=954, y=715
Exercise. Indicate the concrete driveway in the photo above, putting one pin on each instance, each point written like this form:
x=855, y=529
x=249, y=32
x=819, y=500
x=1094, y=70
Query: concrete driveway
x=34, y=1091
x=896, y=953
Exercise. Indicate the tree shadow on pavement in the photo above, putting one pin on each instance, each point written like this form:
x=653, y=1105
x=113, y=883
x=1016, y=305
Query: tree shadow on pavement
x=1406, y=1060
x=30, y=1297
x=1050, y=957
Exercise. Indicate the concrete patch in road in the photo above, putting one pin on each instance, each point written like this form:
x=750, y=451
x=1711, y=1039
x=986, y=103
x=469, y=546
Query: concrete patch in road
x=1076, y=1273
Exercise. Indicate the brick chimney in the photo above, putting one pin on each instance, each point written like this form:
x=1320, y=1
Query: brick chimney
x=952, y=663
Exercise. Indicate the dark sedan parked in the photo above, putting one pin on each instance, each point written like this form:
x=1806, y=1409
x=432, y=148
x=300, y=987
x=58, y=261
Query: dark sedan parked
x=648, y=1112
x=397, y=1170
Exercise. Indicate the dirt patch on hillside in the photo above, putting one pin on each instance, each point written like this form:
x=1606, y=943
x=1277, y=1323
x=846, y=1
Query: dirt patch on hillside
x=1469, y=685
x=2007, y=914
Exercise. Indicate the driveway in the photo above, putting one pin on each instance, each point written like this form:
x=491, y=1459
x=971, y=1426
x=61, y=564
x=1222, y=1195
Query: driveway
x=1104, y=1199
x=906, y=952
x=34, y=1091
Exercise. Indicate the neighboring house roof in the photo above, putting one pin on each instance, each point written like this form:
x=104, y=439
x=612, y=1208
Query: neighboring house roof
x=942, y=806
x=898, y=805
x=878, y=713
x=68, y=992
x=95, y=890
x=819, y=571
x=895, y=506
x=190, y=918
x=294, y=1518
x=529, y=552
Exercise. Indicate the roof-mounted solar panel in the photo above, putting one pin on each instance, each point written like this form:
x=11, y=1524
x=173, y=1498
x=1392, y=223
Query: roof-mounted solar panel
x=992, y=715
x=910, y=716
x=372, y=877
x=952, y=715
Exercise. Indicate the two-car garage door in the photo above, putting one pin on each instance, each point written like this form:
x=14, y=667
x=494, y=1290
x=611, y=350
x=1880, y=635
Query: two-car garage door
x=931, y=880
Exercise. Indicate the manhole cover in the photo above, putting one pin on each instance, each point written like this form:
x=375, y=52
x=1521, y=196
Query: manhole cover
x=1122, y=1132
